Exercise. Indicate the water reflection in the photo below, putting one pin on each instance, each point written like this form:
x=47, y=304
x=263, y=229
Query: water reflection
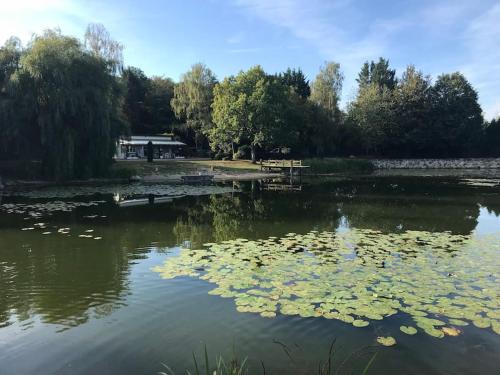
x=64, y=281
x=369, y=204
x=67, y=280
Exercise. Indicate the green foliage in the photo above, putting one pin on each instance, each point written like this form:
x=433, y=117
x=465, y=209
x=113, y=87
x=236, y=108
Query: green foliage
x=491, y=139
x=249, y=109
x=378, y=74
x=326, y=88
x=412, y=272
x=413, y=112
x=412, y=118
x=374, y=115
x=338, y=165
x=296, y=80
x=457, y=115
x=147, y=102
x=78, y=119
x=98, y=41
x=52, y=111
x=160, y=116
x=192, y=100
x=232, y=367
x=137, y=86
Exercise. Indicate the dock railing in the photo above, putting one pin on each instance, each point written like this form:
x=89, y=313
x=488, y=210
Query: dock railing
x=283, y=165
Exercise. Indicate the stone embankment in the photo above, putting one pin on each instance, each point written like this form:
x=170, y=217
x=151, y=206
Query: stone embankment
x=473, y=163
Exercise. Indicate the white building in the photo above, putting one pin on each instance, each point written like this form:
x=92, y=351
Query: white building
x=135, y=147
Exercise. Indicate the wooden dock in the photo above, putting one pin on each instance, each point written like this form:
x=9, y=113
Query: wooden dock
x=287, y=166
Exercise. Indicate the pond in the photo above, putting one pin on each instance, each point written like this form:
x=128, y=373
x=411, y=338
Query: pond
x=120, y=279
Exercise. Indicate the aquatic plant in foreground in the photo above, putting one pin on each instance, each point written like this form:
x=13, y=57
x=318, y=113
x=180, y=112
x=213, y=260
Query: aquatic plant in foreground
x=235, y=366
x=357, y=276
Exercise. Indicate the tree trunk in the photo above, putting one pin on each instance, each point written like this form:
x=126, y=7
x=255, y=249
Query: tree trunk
x=232, y=150
x=252, y=152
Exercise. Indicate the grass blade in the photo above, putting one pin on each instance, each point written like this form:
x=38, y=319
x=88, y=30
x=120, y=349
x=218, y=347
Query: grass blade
x=365, y=371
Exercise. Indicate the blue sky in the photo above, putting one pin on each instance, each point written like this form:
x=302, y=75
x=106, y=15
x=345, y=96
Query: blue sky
x=167, y=37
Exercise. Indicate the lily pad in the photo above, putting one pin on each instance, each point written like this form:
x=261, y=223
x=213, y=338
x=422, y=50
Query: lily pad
x=360, y=323
x=409, y=330
x=386, y=341
x=355, y=276
x=451, y=331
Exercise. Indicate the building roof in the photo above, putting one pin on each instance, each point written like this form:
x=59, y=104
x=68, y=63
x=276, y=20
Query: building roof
x=145, y=139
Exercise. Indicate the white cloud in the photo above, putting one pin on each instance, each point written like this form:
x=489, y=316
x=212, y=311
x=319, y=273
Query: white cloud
x=482, y=63
x=23, y=18
x=319, y=24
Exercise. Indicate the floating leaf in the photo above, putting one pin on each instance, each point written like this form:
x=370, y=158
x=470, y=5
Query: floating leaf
x=386, y=341
x=360, y=323
x=451, y=331
x=458, y=322
x=355, y=276
x=268, y=314
x=408, y=330
x=481, y=322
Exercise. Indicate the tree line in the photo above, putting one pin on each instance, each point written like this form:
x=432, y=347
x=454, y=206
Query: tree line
x=66, y=102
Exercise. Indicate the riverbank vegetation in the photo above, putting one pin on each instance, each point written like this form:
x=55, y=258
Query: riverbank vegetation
x=65, y=102
x=361, y=360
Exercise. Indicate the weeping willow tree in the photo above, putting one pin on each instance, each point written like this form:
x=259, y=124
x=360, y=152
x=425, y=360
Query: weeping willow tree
x=75, y=102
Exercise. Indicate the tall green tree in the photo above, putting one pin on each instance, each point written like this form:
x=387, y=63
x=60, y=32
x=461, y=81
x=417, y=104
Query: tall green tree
x=413, y=132
x=458, y=120
x=248, y=109
x=192, y=100
x=327, y=87
x=377, y=73
x=98, y=41
x=78, y=119
x=160, y=116
x=296, y=79
x=374, y=115
x=324, y=112
x=491, y=138
x=137, y=85
x=11, y=122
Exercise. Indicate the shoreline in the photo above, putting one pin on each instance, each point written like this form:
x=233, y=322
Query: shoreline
x=148, y=179
x=243, y=170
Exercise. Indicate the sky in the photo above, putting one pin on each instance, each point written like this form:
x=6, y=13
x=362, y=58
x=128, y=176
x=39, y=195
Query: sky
x=167, y=37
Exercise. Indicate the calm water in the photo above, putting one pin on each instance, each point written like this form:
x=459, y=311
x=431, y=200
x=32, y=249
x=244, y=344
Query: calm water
x=78, y=293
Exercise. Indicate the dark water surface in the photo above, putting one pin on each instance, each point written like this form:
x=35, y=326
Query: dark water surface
x=84, y=300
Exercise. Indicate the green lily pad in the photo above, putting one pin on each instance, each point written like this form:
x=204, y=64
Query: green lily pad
x=482, y=322
x=409, y=330
x=360, y=323
x=435, y=278
x=268, y=314
x=386, y=341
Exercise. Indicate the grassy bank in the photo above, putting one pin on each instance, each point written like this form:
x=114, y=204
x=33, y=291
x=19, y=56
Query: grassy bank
x=125, y=169
x=172, y=167
x=338, y=165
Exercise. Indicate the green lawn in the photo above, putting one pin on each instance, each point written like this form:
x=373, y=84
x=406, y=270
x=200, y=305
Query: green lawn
x=171, y=167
